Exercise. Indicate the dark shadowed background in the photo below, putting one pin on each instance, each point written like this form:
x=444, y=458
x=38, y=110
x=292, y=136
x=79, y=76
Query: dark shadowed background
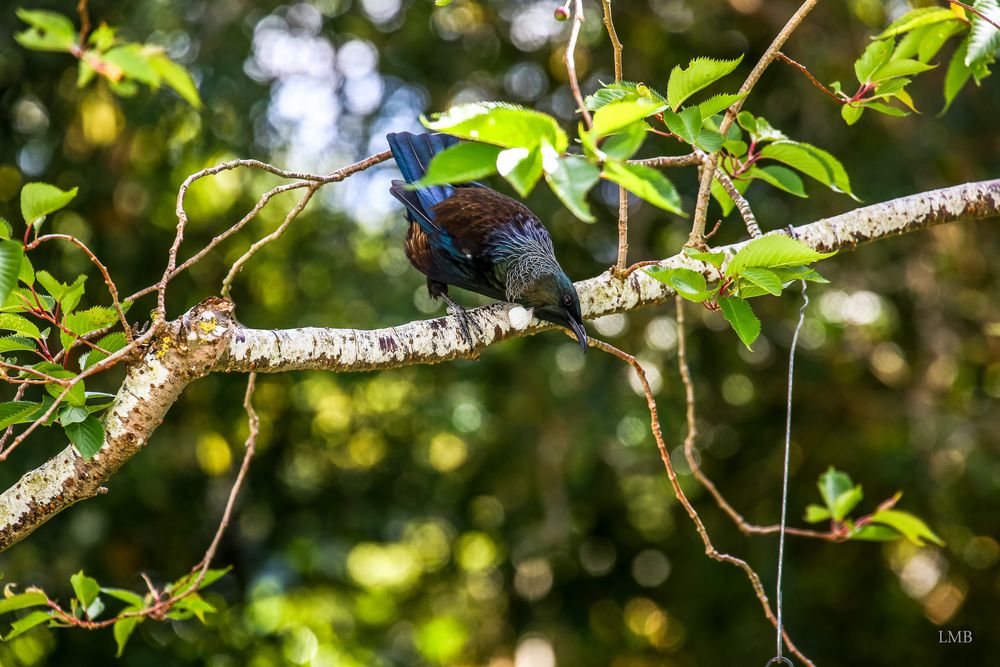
x=495, y=512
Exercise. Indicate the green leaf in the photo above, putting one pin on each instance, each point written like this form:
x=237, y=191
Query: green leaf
x=5, y=229
x=133, y=60
x=957, y=76
x=759, y=129
x=185, y=582
x=700, y=73
x=984, y=39
x=195, y=604
x=23, y=601
x=461, y=163
x=875, y=533
x=773, y=251
x=645, y=183
x=816, y=513
x=72, y=414
x=69, y=295
x=123, y=630
x=767, y=280
x=851, y=114
x=902, y=67
x=618, y=115
x=11, y=257
x=17, y=412
x=19, y=325
x=570, y=180
x=886, y=109
x=916, y=18
x=624, y=144
x=26, y=274
x=780, y=177
x=911, y=527
x=688, y=283
x=112, y=343
x=500, y=124
x=875, y=56
x=719, y=103
x=83, y=322
x=521, y=167
x=98, y=400
x=688, y=126
x=16, y=344
x=846, y=501
x=790, y=273
x=126, y=596
x=176, y=77
x=41, y=199
x=102, y=37
x=87, y=436
x=811, y=161
x=86, y=588
x=740, y=316
x=832, y=484
x=621, y=90
x=22, y=625
x=49, y=31
x=935, y=37
x=714, y=258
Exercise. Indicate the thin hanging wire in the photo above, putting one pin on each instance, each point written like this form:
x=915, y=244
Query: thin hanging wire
x=784, y=481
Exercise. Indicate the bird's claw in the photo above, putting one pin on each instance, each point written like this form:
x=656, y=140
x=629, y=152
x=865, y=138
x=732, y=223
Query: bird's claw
x=465, y=323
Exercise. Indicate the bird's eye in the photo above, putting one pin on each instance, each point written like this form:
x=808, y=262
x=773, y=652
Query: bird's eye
x=567, y=300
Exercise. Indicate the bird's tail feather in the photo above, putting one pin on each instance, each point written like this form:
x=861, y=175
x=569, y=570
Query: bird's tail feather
x=413, y=153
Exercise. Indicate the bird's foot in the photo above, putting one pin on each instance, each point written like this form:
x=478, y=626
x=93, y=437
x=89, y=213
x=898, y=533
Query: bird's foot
x=465, y=323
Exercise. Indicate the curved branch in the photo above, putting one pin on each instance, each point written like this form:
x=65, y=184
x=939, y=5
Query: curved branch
x=208, y=339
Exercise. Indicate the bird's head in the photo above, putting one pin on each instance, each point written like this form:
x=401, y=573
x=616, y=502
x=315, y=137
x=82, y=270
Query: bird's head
x=554, y=300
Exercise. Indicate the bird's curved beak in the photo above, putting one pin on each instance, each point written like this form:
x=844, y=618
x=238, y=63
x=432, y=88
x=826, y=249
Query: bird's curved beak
x=581, y=333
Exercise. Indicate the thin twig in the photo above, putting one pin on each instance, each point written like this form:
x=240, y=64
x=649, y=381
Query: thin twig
x=112, y=289
x=697, y=237
x=975, y=11
x=710, y=549
x=741, y=203
x=569, y=61
x=81, y=9
x=616, y=46
x=227, y=282
x=802, y=68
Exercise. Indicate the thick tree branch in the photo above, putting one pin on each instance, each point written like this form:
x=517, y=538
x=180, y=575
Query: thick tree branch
x=208, y=339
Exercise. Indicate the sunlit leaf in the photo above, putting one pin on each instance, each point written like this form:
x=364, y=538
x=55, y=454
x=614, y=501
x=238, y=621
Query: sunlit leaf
x=700, y=73
x=816, y=513
x=123, y=630
x=688, y=283
x=11, y=258
x=19, y=325
x=624, y=144
x=765, y=279
x=646, y=183
x=846, y=501
x=903, y=67
x=134, y=62
x=41, y=199
x=618, y=115
x=30, y=621
x=780, y=177
x=773, y=251
x=500, y=124
x=740, y=316
x=714, y=258
x=49, y=31
x=461, y=163
x=177, y=77
x=719, y=103
x=916, y=18
x=912, y=528
x=571, y=179
x=23, y=601
x=811, y=161
x=832, y=484
x=875, y=56
x=521, y=167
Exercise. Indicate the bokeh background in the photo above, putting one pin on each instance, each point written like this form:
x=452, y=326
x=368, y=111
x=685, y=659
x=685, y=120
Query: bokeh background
x=514, y=511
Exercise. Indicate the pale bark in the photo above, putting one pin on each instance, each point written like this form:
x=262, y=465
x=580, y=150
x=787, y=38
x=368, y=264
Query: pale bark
x=207, y=339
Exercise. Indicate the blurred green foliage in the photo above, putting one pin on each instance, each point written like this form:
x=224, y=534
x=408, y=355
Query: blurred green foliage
x=508, y=510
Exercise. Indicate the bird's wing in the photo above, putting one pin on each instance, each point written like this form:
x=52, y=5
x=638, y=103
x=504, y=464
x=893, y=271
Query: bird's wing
x=480, y=219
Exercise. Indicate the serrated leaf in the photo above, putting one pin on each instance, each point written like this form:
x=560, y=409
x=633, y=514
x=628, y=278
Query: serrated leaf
x=41, y=199
x=17, y=412
x=500, y=124
x=621, y=90
x=22, y=625
x=123, y=630
x=16, y=344
x=875, y=56
x=700, y=73
x=72, y=414
x=87, y=436
x=811, y=161
x=816, y=513
x=765, y=279
x=461, y=163
x=773, y=251
x=912, y=528
x=832, y=484
x=740, y=316
x=624, y=144
x=19, y=325
x=901, y=67
x=84, y=322
x=571, y=179
x=916, y=18
x=780, y=177
x=846, y=501
x=112, y=343
x=688, y=283
x=11, y=256
x=69, y=295
x=86, y=588
x=49, y=31
x=714, y=258
x=177, y=77
x=984, y=39
x=687, y=124
x=719, y=103
x=23, y=601
x=521, y=167
x=646, y=183
x=618, y=115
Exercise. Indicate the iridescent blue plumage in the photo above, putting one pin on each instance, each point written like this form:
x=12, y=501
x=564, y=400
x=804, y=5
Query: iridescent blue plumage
x=473, y=237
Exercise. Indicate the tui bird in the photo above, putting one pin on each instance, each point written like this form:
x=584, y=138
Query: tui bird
x=473, y=237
